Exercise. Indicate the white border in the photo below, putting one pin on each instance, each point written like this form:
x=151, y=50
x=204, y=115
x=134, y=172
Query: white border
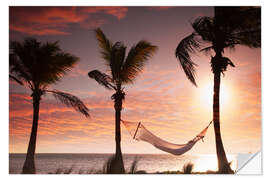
x=4, y=72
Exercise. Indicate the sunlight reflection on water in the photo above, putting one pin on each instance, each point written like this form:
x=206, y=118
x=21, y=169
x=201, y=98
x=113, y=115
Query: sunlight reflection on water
x=209, y=162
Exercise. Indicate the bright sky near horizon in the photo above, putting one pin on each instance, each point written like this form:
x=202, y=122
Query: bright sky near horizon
x=162, y=97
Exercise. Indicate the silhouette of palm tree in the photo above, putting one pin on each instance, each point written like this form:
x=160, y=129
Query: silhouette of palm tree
x=124, y=70
x=229, y=27
x=36, y=66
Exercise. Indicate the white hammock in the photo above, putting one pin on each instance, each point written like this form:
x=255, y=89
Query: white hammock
x=139, y=132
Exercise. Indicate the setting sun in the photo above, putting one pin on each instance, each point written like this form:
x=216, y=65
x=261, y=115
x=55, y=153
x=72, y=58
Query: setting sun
x=206, y=95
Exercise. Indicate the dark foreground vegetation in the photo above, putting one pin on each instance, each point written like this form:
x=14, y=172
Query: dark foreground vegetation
x=108, y=168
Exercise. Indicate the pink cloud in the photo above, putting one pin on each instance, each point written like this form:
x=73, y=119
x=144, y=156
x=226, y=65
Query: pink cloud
x=56, y=20
x=159, y=8
x=119, y=12
x=77, y=71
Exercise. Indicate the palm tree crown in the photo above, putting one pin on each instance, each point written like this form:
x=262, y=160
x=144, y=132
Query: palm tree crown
x=229, y=27
x=36, y=66
x=123, y=68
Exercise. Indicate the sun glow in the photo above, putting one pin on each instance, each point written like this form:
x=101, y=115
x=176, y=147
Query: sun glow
x=206, y=95
x=209, y=162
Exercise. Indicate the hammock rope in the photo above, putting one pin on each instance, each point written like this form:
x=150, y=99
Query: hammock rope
x=140, y=133
x=136, y=130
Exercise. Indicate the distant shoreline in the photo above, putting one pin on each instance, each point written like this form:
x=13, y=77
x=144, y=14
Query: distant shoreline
x=131, y=154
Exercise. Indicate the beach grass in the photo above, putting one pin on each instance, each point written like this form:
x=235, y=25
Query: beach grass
x=108, y=166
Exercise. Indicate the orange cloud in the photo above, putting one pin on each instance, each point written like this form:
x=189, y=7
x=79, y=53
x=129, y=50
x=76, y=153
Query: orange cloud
x=57, y=120
x=160, y=103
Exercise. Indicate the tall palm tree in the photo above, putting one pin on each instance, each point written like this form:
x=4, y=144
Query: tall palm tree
x=229, y=27
x=36, y=66
x=123, y=70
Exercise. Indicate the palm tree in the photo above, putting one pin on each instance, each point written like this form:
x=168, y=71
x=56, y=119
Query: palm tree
x=123, y=70
x=36, y=66
x=229, y=27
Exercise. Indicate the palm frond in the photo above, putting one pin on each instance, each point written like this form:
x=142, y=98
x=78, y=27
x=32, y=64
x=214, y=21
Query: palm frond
x=250, y=38
x=136, y=59
x=15, y=79
x=70, y=101
x=39, y=63
x=239, y=25
x=229, y=62
x=24, y=57
x=105, y=44
x=16, y=65
x=207, y=50
x=53, y=63
x=117, y=59
x=232, y=19
x=102, y=78
x=205, y=27
x=188, y=45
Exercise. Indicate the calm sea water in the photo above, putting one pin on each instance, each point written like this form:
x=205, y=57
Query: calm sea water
x=151, y=163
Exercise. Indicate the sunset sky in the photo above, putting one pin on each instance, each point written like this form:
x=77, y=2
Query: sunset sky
x=161, y=98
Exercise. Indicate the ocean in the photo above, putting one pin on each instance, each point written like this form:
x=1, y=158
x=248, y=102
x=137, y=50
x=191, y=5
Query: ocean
x=82, y=163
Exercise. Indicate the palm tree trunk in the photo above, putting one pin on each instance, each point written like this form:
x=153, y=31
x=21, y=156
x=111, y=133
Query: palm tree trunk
x=118, y=165
x=29, y=164
x=118, y=153
x=223, y=165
